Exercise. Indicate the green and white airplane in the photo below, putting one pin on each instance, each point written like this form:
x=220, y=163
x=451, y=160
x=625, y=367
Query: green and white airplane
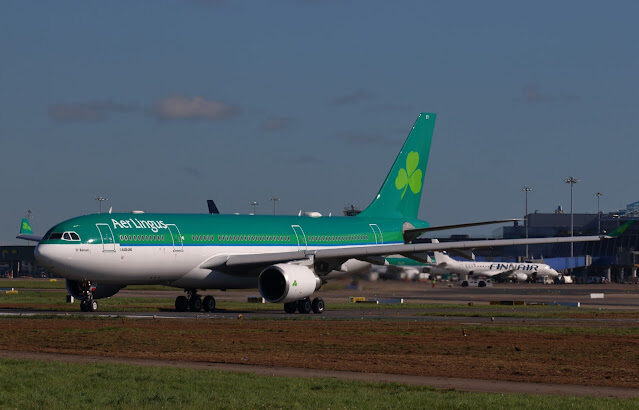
x=286, y=257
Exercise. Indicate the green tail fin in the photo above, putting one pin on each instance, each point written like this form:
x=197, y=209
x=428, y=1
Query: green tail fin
x=401, y=192
x=25, y=227
x=619, y=231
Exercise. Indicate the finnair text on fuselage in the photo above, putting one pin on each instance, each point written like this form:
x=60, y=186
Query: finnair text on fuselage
x=512, y=266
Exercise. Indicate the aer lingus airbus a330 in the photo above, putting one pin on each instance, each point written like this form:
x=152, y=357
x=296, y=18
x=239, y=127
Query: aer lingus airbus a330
x=286, y=257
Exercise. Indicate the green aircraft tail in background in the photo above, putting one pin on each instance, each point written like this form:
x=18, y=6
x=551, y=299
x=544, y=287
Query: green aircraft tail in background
x=619, y=231
x=25, y=227
x=400, y=195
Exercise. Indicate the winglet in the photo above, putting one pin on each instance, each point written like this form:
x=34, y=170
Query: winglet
x=619, y=231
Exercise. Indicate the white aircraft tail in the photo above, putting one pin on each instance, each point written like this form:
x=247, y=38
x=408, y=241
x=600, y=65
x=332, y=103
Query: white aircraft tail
x=442, y=257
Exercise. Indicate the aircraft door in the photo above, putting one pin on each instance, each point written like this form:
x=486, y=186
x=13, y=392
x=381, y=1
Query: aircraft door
x=301, y=237
x=176, y=236
x=379, y=238
x=106, y=234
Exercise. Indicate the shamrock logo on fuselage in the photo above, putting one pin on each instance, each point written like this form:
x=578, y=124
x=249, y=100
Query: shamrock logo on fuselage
x=410, y=176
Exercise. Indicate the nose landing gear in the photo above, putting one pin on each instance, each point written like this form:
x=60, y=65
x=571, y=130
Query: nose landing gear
x=89, y=305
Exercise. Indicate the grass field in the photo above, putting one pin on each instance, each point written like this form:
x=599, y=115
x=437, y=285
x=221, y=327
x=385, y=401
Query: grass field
x=30, y=384
x=599, y=354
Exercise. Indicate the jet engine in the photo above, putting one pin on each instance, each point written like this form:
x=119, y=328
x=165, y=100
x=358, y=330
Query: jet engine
x=287, y=282
x=520, y=277
x=81, y=289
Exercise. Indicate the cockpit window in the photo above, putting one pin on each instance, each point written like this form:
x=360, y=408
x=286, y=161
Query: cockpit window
x=55, y=235
x=70, y=236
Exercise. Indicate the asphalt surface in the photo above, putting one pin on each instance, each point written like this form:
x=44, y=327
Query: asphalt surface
x=616, y=297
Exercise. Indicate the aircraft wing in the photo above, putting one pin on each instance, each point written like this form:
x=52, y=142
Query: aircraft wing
x=502, y=275
x=412, y=233
x=362, y=252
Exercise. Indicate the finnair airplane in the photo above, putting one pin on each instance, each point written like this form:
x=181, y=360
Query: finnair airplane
x=286, y=257
x=493, y=270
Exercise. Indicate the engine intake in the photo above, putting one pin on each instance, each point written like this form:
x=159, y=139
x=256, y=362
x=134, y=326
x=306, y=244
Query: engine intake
x=286, y=283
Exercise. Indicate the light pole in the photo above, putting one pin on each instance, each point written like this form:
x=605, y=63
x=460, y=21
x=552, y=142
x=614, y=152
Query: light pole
x=254, y=204
x=572, y=181
x=274, y=199
x=100, y=199
x=526, y=189
x=598, y=194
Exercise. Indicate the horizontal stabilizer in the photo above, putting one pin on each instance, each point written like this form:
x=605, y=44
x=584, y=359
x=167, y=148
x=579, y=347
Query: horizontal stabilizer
x=36, y=238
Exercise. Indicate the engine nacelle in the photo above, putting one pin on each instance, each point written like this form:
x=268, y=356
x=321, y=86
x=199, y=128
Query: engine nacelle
x=520, y=277
x=287, y=282
x=80, y=290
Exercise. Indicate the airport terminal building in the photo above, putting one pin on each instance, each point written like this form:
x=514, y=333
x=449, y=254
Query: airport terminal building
x=615, y=259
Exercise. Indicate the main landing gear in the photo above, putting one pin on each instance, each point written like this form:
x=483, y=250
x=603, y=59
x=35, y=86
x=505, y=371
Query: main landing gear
x=305, y=306
x=193, y=302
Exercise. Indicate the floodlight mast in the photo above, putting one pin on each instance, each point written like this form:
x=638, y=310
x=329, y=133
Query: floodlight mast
x=100, y=199
x=526, y=189
x=572, y=181
x=274, y=199
x=598, y=195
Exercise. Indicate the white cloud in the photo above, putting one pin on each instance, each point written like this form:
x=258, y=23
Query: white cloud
x=181, y=107
x=277, y=123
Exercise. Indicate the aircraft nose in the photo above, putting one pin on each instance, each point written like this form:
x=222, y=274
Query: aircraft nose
x=45, y=255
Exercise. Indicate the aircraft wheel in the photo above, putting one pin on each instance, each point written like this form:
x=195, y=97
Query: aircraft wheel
x=181, y=304
x=195, y=304
x=304, y=305
x=208, y=303
x=290, y=307
x=318, y=305
x=92, y=305
x=83, y=306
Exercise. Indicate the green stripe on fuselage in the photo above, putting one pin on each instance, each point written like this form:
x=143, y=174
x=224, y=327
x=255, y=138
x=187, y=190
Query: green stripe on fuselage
x=233, y=230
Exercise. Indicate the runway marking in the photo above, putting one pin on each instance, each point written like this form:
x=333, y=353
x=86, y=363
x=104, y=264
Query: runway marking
x=472, y=385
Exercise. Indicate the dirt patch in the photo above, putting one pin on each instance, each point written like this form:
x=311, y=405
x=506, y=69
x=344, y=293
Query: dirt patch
x=583, y=356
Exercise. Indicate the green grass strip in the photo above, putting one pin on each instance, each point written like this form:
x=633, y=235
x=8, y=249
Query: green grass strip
x=30, y=384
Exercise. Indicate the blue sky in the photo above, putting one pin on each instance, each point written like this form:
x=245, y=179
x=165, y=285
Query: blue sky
x=161, y=105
